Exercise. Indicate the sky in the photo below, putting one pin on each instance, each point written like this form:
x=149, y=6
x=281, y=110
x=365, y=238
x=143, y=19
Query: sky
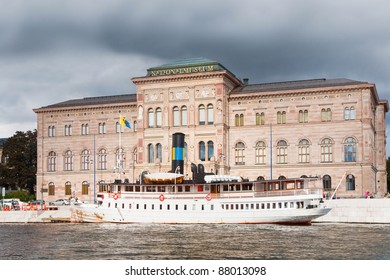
x=52, y=51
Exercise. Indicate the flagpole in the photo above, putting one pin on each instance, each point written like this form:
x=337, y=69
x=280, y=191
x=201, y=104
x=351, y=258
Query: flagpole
x=270, y=157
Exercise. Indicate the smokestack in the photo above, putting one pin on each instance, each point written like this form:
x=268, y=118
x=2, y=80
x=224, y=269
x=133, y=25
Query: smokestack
x=178, y=153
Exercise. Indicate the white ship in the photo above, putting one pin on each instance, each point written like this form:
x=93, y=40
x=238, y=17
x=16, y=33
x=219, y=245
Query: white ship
x=224, y=199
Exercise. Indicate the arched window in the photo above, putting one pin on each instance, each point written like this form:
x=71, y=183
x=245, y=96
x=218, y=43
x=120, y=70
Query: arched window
x=68, y=188
x=52, y=131
x=260, y=120
x=350, y=150
x=281, y=117
x=281, y=185
x=150, y=118
x=119, y=127
x=326, y=150
x=260, y=152
x=202, y=151
x=304, y=151
x=158, y=117
x=68, y=130
x=84, y=188
x=239, y=153
x=303, y=116
x=120, y=159
x=327, y=182
x=210, y=114
x=51, y=188
x=281, y=152
x=51, y=162
x=260, y=178
x=159, y=151
x=184, y=118
x=210, y=149
x=102, y=128
x=202, y=115
x=176, y=116
x=150, y=153
x=68, y=161
x=102, y=159
x=326, y=115
x=350, y=180
x=85, y=162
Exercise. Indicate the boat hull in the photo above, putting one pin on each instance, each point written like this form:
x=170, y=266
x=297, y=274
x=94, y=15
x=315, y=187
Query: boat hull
x=196, y=213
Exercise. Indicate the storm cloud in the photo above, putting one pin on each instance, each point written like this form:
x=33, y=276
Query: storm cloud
x=51, y=51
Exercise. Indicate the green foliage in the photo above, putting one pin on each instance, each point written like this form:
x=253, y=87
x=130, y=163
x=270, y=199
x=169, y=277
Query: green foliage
x=22, y=195
x=20, y=152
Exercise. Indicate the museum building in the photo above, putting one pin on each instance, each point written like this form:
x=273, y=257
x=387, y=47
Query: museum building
x=331, y=128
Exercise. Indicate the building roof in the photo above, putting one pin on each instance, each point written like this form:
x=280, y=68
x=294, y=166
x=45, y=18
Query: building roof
x=296, y=85
x=93, y=101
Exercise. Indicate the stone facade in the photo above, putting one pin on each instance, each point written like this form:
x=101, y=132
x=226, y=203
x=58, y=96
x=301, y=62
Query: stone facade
x=329, y=128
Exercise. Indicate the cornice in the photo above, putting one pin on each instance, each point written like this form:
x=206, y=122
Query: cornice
x=84, y=108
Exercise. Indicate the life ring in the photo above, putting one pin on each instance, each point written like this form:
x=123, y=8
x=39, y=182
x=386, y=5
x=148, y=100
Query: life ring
x=115, y=196
x=161, y=197
x=208, y=197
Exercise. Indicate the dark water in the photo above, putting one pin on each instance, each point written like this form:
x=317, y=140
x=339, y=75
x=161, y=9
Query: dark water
x=218, y=242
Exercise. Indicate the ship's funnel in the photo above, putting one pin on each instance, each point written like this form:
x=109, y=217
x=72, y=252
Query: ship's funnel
x=178, y=153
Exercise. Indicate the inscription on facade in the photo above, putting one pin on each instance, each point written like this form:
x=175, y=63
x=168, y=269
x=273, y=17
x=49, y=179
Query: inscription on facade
x=182, y=70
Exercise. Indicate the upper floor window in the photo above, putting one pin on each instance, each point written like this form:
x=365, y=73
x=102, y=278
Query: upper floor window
x=349, y=113
x=202, y=151
x=239, y=119
x=102, y=128
x=281, y=117
x=281, y=152
x=184, y=117
x=159, y=152
x=326, y=150
x=119, y=127
x=260, y=152
x=303, y=116
x=326, y=115
x=102, y=159
x=176, y=116
x=350, y=149
x=51, y=162
x=210, y=149
x=150, y=153
x=68, y=130
x=52, y=131
x=120, y=159
x=239, y=153
x=202, y=115
x=210, y=114
x=158, y=117
x=68, y=161
x=304, y=151
x=150, y=118
x=260, y=119
x=84, y=129
x=85, y=161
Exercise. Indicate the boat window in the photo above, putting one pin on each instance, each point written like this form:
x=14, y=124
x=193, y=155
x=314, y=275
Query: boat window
x=188, y=188
x=231, y=206
x=262, y=206
x=129, y=205
x=246, y=206
x=200, y=188
x=145, y=206
x=123, y=206
x=168, y=207
x=152, y=206
x=252, y=206
x=225, y=188
x=257, y=206
x=185, y=207
x=212, y=207
x=280, y=205
x=109, y=205
x=237, y=206
x=137, y=189
x=161, y=206
x=268, y=205
x=273, y=205
x=202, y=207
x=286, y=205
x=193, y=206
x=291, y=204
x=180, y=189
x=116, y=205
x=177, y=207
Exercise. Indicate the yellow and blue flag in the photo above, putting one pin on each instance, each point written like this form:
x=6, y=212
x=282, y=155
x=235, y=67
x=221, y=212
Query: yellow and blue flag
x=124, y=122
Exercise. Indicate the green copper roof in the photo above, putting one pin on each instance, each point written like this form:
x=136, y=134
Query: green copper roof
x=186, y=66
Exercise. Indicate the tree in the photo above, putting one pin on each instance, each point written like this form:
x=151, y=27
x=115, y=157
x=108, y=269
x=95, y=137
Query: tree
x=19, y=170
